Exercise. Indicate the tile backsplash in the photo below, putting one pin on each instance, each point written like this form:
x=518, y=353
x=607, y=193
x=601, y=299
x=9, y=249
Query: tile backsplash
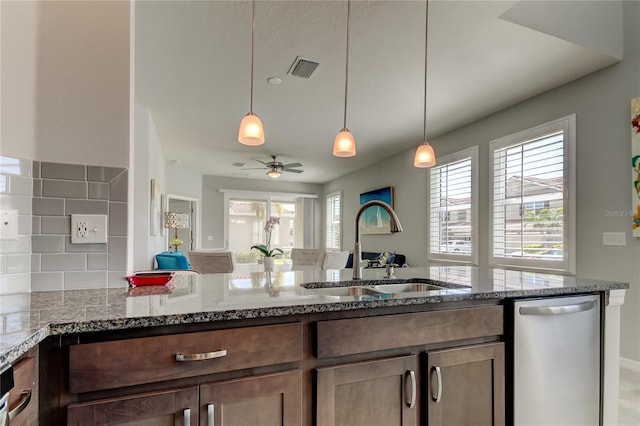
x=46, y=194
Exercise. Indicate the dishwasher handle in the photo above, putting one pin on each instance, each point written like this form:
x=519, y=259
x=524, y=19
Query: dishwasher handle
x=558, y=310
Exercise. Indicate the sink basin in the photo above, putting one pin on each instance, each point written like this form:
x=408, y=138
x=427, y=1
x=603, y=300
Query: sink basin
x=407, y=287
x=350, y=293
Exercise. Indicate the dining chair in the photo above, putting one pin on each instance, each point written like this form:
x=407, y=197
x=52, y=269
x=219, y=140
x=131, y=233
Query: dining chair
x=211, y=262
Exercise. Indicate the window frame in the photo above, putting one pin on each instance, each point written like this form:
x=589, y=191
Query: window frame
x=472, y=258
x=326, y=219
x=568, y=265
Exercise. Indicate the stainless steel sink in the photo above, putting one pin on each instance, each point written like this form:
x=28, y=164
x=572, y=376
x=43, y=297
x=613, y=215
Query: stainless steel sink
x=409, y=287
x=349, y=293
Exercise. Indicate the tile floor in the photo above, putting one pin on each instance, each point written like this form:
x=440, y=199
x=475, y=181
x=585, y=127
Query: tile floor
x=629, y=402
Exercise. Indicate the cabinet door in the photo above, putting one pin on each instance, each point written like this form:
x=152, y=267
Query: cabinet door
x=267, y=400
x=176, y=407
x=379, y=392
x=465, y=386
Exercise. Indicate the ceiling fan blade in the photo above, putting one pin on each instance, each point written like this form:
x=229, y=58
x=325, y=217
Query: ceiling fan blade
x=262, y=162
x=292, y=165
x=292, y=170
x=254, y=168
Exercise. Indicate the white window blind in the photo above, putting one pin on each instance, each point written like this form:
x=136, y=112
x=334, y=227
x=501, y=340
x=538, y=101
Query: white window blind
x=531, y=207
x=332, y=236
x=452, y=206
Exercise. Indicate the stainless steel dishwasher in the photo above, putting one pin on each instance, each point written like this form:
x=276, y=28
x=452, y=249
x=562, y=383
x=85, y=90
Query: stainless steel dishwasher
x=556, y=361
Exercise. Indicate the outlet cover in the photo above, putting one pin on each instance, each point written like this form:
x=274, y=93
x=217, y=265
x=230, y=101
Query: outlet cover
x=9, y=225
x=88, y=229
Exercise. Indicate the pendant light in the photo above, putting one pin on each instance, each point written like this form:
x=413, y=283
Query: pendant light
x=251, y=131
x=425, y=157
x=344, y=144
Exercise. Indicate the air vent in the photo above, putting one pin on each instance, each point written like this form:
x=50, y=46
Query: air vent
x=302, y=67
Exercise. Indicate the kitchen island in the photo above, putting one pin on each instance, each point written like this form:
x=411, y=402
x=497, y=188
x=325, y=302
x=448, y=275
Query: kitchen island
x=65, y=323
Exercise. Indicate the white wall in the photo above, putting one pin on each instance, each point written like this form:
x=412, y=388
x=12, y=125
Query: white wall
x=65, y=81
x=601, y=104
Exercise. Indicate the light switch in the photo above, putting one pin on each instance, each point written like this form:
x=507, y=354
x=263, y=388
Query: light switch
x=9, y=225
x=614, y=239
x=88, y=229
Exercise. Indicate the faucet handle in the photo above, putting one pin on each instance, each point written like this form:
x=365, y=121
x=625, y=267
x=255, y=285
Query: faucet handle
x=389, y=269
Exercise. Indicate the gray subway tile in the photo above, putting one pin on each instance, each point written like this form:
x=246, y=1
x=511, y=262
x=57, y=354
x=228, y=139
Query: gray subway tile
x=37, y=188
x=15, y=166
x=118, y=279
x=102, y=174
x=14, y=283
x=119, y=187
x=36, y=169
x=35, y=262
x=20, y=245
x=98, y=191
x=48, y=206
x=20, y=185
x=87, y=207
x=47, y=281
x=83, y=248
x=18, y=263
x=47, y=243
x=15, y=303
x=3, y=264
x=64, y=189
x=97, y=261
x=25, y=225
x=63, y=171
x=55, y=225
x=117, y=253
x=63, y=262
x=118, y=219
x=35, y=224
x=86, y=279
x=22, y=203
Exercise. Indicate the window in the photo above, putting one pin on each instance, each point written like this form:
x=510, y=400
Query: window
x=533, y=203
x=452, y=207
x=332, y=214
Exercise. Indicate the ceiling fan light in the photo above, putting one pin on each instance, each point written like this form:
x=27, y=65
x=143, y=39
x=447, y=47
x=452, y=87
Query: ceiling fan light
x=251, y=132
x=425, y=157
x=274, y=173
x=344, y=145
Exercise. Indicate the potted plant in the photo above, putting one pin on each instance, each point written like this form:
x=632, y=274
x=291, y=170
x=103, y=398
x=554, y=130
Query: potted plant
x=265, y=249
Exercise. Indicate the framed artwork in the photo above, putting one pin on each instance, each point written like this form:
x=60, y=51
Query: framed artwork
x=376, y=220
x=635, y=164
x=155, y=209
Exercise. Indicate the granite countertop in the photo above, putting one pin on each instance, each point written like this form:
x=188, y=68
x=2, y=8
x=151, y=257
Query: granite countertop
x=28, y=318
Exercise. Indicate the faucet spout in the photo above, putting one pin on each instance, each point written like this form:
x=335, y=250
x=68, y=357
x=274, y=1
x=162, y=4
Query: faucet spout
x=395, y=226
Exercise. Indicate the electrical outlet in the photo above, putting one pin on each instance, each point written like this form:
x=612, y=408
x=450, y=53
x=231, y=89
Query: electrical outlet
x=88, y=229
x=9, y=225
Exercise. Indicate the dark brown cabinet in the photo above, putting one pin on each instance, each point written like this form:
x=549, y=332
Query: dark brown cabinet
x=465, y=386
x=272, y=400
x=175, y=407
x=377, y=392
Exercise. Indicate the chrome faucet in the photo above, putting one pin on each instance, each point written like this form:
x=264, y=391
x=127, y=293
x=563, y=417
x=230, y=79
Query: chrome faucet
x=357, y=251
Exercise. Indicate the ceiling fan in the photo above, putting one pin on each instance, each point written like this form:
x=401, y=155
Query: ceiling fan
x=275, y=168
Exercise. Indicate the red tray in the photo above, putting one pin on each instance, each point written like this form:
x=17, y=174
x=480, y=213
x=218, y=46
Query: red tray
x=160, y=278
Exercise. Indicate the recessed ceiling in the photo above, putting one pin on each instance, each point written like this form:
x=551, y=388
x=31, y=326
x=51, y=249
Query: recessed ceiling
x=192, y=73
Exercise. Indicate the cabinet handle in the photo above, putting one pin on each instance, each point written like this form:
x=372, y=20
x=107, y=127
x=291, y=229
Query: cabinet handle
x=187, y=416
x=436, y=398
x=557, y=310
x=202, y=356
x=411, y=401
x=210, y=413
x=25, y=398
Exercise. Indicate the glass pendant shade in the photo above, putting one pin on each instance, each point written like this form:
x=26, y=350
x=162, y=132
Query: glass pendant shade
x=251, y=132
x=344, y=145
x=274, y=174
x=425, y=157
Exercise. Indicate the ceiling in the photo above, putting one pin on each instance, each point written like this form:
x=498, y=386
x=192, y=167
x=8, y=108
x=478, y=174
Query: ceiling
x=193, y=62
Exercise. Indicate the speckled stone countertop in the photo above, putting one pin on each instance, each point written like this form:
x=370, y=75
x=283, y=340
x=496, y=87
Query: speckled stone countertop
x=28, y=318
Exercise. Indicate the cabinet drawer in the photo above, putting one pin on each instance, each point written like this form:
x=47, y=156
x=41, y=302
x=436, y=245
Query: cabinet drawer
x=359, y=335
x=23, y=398
x=105, y=365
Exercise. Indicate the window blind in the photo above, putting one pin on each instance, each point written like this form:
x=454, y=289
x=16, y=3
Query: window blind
x=332, y=236
x=450, y=212
x=528, y=198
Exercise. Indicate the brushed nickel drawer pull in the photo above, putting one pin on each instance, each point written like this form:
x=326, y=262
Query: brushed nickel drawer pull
x=202, y=356
x=186, y=415
x=411, y=402
x=25, y=398
x=436, y=398
x=210, y=413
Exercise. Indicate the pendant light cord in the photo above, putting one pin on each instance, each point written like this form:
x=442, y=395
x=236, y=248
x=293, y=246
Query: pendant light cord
x=253, y=30
x=426, y=40
x=346, y=71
